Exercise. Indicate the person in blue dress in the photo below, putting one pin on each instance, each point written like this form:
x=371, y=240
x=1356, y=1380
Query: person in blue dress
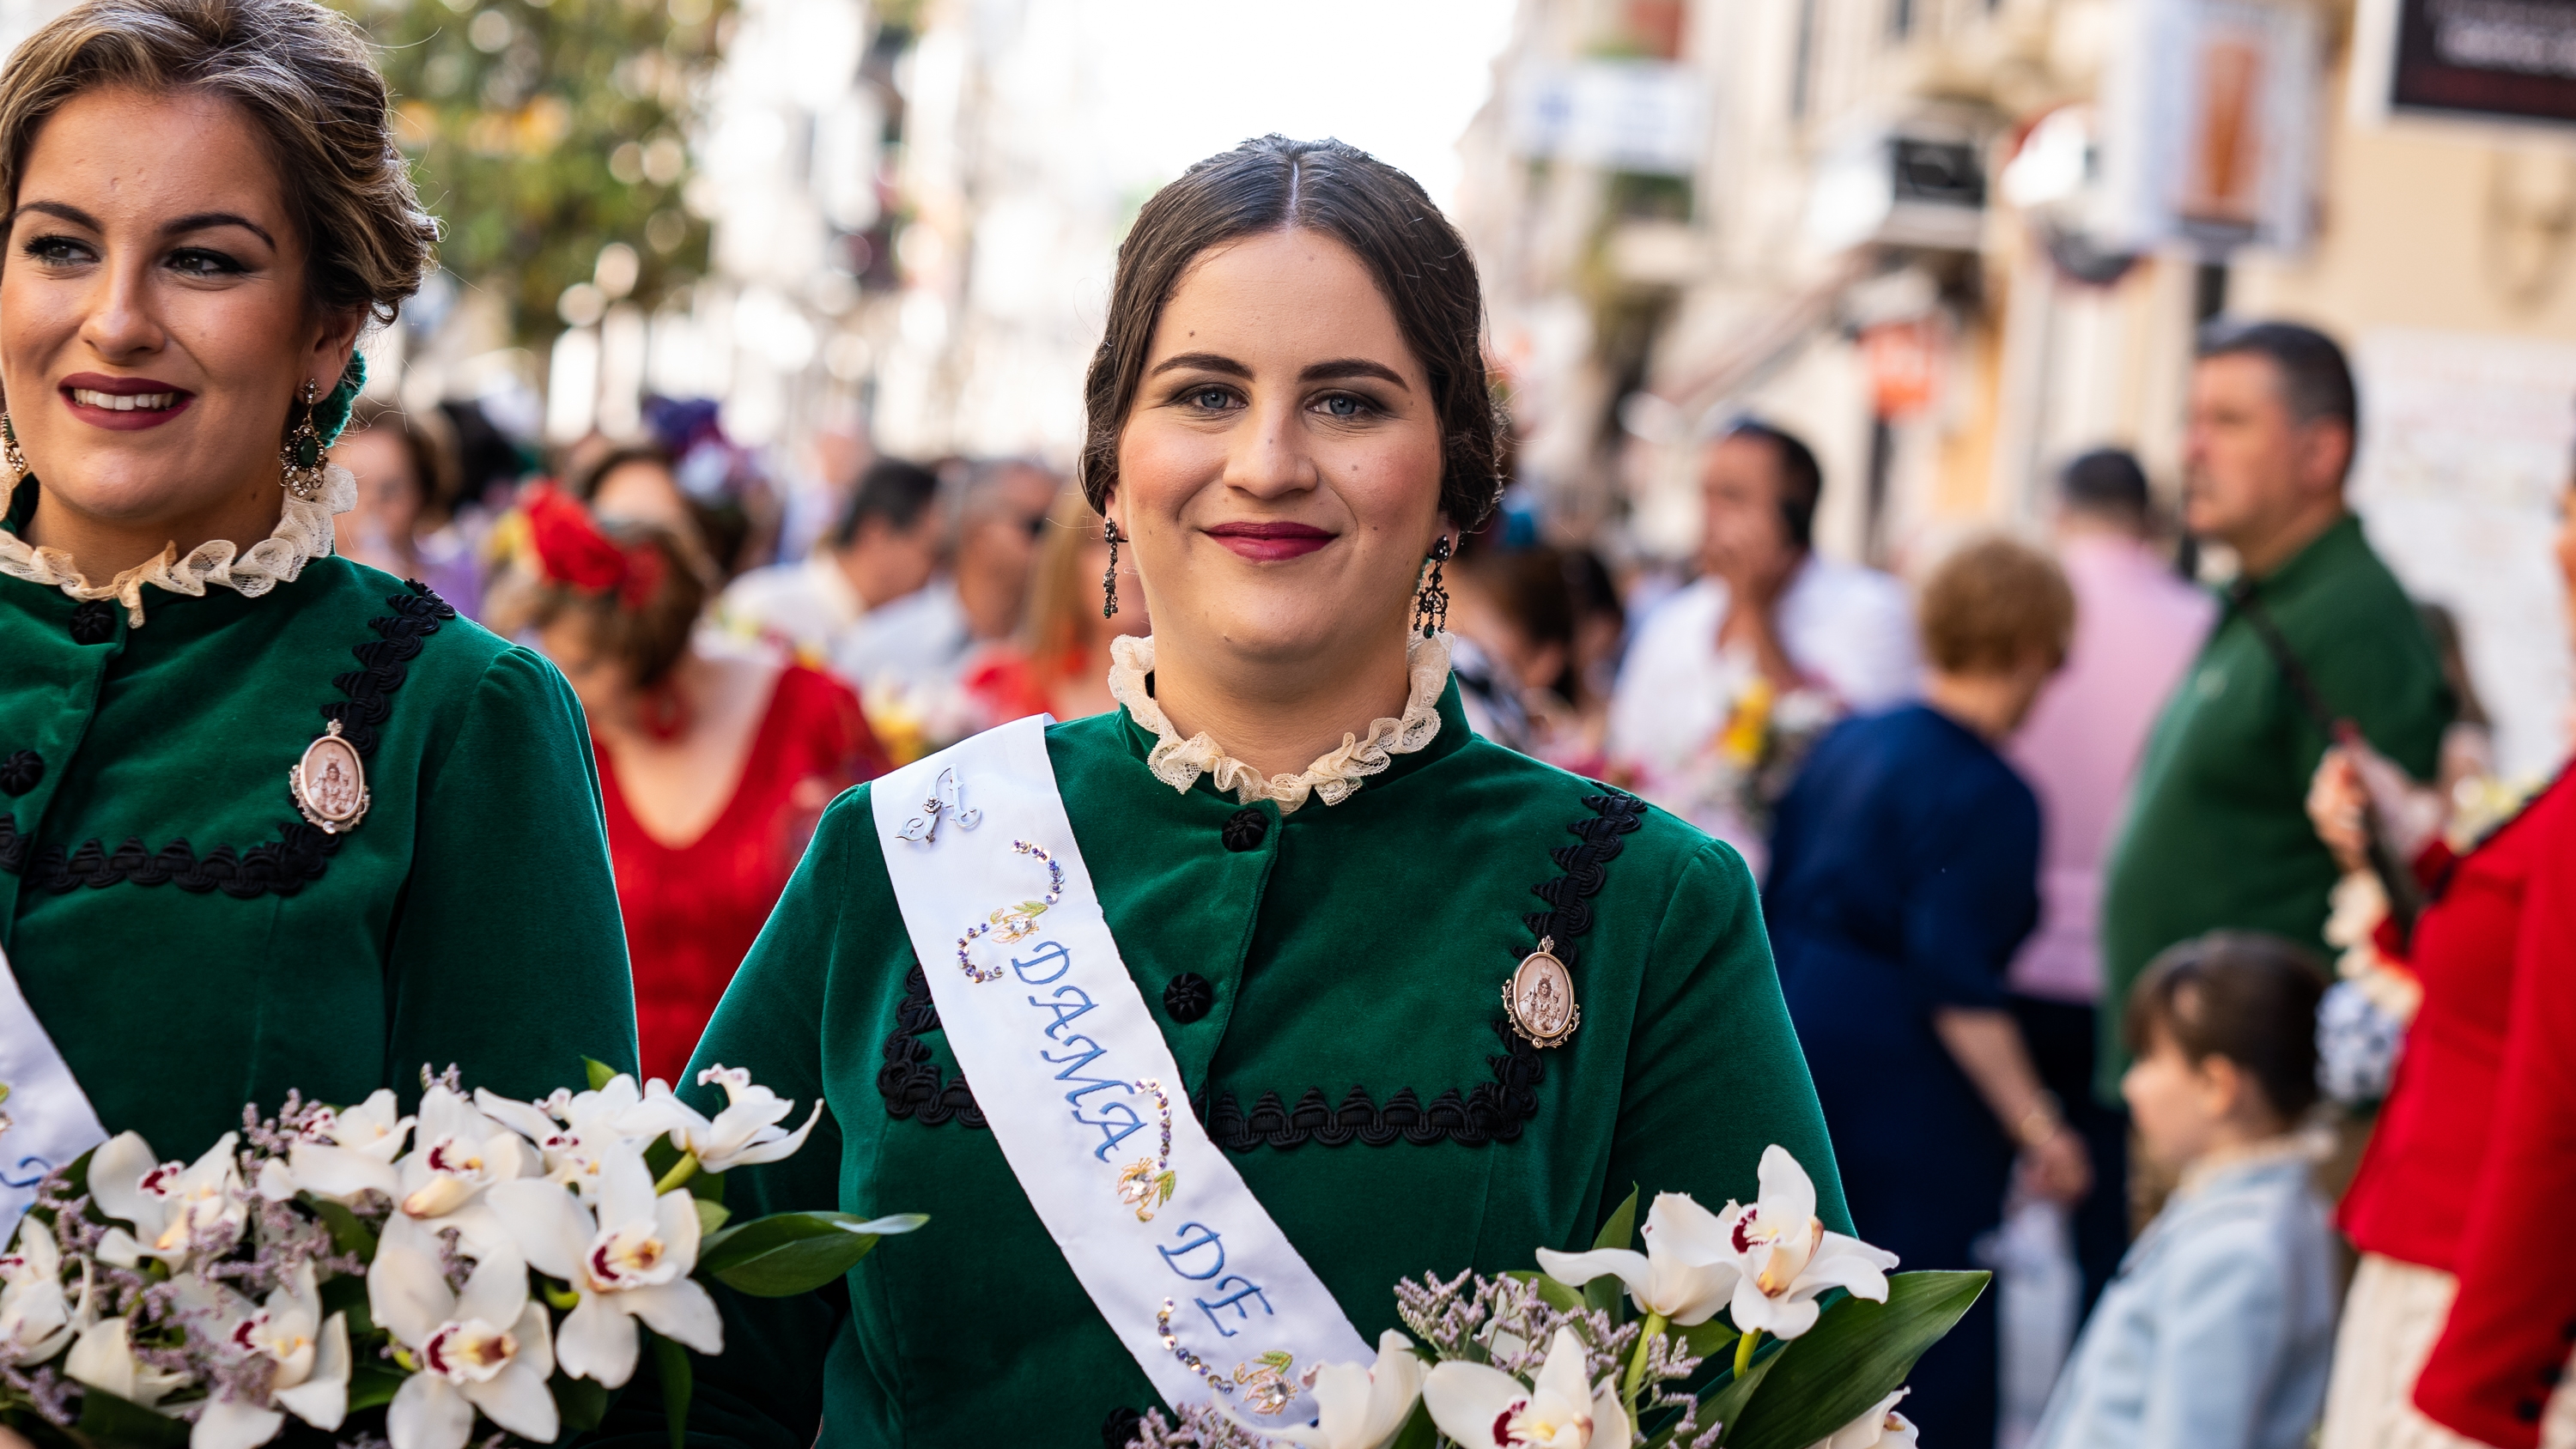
x=1904, y=874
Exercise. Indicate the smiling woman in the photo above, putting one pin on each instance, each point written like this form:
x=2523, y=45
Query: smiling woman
x=1231, y=988
x=270, y=819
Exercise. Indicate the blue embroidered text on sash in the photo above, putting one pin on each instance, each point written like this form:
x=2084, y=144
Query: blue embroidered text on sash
x=1249, y=1289
x=1046, y=951
x=1207, y=1238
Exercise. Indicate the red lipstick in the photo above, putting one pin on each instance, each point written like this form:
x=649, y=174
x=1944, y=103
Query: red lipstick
x=122, y=404
x=1270, y=542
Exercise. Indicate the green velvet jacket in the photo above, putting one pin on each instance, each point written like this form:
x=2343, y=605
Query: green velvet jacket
x=1344, y=1052
x=192, y=944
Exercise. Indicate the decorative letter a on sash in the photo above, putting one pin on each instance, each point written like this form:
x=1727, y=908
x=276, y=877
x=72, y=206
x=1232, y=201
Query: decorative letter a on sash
x=1082, y=1093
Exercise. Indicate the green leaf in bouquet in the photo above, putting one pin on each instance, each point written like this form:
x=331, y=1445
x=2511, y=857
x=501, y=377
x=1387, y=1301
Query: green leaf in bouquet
x=372, y=1386
x=1554, y=1294
x=1711, y=1340
x=711, y=1214
x=789, y=1253
x=107, y=1419
x=598, y=1073
x=1621, y=1231
x=581, y=1402
x=1607, y=1294
x=348, y=1294
x=1858, y=1353
x=1726, y=1405
x=671, y=1365
x=1418, y=1431
x=349, y=1233
x=707, y=1186
x=659, y=1158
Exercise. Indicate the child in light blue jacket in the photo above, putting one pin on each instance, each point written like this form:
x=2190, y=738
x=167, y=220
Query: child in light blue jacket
x=2217, y=1332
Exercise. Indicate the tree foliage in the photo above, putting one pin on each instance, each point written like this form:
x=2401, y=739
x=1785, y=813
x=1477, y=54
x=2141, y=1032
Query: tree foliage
x=542, y=130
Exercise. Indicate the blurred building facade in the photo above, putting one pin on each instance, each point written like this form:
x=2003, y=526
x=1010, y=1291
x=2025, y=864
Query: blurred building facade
x=1954, y=242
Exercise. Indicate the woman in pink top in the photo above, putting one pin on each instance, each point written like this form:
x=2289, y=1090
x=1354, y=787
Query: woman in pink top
x=2137, y=627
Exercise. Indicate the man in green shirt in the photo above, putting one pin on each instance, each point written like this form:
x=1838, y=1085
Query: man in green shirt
x=2217, y=836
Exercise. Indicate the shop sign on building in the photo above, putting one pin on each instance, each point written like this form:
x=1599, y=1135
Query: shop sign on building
x=2210, y=121
x=2478, y=60
x=1648, y=116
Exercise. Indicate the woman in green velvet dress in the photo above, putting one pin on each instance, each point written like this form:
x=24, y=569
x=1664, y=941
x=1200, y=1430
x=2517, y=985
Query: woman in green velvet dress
x=1319, y=880
x=205, y=208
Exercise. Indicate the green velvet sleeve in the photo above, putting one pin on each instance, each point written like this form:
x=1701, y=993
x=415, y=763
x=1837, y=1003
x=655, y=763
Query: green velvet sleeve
x=766, y=1391
x=508, y=956
x=1715, y=1073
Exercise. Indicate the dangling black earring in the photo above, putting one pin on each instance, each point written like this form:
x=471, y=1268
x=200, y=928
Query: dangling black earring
x=1109, y=580
x=1431, y=601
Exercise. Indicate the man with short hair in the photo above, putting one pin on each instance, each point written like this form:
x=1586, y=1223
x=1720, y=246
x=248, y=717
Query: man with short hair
x=2217, y=834
x=884, y=547
x=1730, y=679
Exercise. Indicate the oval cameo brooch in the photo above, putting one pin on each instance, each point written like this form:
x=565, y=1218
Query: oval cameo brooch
x=1540, y=997
x=329, y=783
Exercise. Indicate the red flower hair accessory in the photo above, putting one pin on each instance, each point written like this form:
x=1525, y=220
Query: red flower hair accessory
x=571, y=550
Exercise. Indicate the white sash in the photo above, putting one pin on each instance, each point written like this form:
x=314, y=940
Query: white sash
x=1081, y=1091
x=46, y=1119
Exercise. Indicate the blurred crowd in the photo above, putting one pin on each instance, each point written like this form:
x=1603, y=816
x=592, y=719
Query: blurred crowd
x=2052, y=845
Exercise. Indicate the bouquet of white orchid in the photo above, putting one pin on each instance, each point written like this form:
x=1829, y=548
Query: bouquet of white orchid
x=392, y=1278
x=1554, y=1358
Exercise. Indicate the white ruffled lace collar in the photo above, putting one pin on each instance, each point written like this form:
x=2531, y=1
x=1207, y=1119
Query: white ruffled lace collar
x=303, y=534
x=1179, y=763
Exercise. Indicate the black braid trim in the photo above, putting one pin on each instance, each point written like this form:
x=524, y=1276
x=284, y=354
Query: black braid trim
x=1495, y=1111
x=299, y=855
x=910, y=1081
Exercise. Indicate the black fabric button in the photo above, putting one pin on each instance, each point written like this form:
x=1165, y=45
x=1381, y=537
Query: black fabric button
x=22, y=772
x=1119, y=1429
x=1188, y=997
x=1245, y=829
x=94, y=622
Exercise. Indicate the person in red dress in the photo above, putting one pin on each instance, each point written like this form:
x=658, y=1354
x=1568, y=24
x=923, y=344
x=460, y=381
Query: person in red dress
x=715, y=760
x=2463, y=1312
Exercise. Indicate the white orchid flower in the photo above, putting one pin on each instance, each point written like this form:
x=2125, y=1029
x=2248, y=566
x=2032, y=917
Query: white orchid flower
x=744, y=1133
x=572, y=1131
x=103, y=1358
x=308, y=1358
x=1479, y=1405
x=1785, y=1256
x=457, y=1154
x=341, y=1155
x=631, y=1261
x=1672, y=1279
x=1358, y=1406
x=487, y=1348
x=38, y=1315
x=1881, y=1428
x=172, y=1209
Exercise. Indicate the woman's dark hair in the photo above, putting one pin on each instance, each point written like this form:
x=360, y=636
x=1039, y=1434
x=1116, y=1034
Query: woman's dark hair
x=431, y=445
x=1419, y=261
x=1530, y=586
x=723, y=528
x=645, y=637
x=2241, y=995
